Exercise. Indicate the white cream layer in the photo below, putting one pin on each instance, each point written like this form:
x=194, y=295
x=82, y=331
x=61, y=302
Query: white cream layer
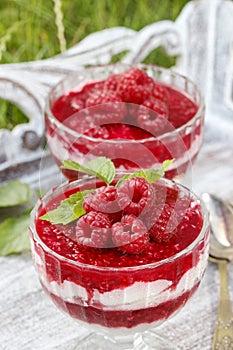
x=139, y=295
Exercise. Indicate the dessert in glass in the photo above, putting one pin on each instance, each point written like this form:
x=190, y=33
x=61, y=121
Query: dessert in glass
x=136, y=115
x=120, y=256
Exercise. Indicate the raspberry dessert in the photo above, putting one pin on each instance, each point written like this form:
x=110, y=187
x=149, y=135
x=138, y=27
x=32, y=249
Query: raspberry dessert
x=120, y=253
x=137, y=116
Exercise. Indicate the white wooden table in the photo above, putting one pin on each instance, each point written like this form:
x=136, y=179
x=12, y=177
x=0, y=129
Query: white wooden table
x=28, y=319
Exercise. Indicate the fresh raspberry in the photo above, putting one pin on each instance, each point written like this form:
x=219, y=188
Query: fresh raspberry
x=152, y=116
x=91, y=87
x=93, y=230
x=160, y=92
x=162, y=223
x=181, y=108
x=191, y=219
x=181, y=204
x=103, y=200
x=135, y=196
x=111, y=83
x=107, y=107
x=130, y=235
x=156, y=105
x=135, y=86
x=99, y=97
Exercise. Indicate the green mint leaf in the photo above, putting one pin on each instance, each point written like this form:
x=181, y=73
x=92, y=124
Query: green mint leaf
x=104, y=168
x=167, y=163
x=14, y=193
x=70, y=209
x=151, y=175
x=61, y=215
x=101, y=167
x=14, y=236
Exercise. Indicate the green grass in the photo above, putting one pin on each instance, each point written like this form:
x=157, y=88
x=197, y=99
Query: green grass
x=28, y=30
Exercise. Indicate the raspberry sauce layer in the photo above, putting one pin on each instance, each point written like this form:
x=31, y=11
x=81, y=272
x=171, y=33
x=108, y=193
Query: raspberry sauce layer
x=137, y=126
x=111, y=289
x=130, y=319
x=180, y=110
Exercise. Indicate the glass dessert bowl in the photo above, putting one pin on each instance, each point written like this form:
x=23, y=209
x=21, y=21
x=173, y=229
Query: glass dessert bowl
x=138, y=116
x=124, y=266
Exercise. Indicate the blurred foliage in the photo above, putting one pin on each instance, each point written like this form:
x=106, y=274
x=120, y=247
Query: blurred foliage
x=28, y=30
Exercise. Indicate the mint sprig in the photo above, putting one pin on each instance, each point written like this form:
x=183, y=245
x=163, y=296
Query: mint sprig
x=151, y=175
x=101, y=167
x=71, y=208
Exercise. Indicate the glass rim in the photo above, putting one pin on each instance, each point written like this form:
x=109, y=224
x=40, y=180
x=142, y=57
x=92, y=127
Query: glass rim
x=62, y=127
x=79, y=182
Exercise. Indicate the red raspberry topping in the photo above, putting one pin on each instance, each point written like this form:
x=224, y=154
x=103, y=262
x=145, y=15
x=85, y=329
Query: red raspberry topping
x=160, y=92
x=155, y=105
x=108, y=107
x=99, y=97
x=135, y=196
x=93, y=230
x=103, y=200
x=190, y=218
x=135, y=86
x=130, y=235
x=181, y=108
x=152, y=116
x=162, y=223
x=111, y=83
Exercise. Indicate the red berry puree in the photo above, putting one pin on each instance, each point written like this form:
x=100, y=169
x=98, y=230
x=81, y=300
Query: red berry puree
x=106, y=280
x=130, y=107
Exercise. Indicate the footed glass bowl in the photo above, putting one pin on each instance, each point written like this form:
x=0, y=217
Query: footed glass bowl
x=141, y=128
x=120, y=297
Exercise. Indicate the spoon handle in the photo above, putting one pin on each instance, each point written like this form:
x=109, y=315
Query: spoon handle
x=223, y=334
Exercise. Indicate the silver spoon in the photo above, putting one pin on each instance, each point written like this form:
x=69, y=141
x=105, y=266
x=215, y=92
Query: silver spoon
x=221, y=252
